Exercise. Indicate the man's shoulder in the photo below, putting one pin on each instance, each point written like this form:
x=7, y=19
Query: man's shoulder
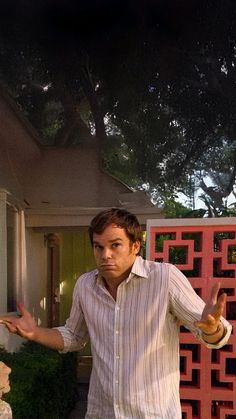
x=146, y=267
x=154, y=264
x=91, y=275
x=87, y=278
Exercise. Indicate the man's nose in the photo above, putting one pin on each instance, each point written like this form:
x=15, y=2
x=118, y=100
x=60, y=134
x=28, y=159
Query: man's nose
x=107, y=253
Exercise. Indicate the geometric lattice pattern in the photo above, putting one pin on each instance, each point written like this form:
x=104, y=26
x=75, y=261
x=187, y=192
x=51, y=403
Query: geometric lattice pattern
x=204, y=253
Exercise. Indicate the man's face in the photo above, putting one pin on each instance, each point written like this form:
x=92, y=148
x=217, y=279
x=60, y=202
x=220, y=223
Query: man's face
x=114, y=253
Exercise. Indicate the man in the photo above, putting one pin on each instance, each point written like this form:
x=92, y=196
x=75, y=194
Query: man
x=131, y=310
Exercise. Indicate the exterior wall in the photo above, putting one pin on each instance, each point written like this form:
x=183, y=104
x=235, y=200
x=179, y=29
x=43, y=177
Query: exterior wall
x=3, y=252
x=8, y=178
x=76, y=257
x=205, y=251
x=35, y=287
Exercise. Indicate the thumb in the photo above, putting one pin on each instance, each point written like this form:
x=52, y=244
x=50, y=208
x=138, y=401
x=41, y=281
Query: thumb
x=21, y=308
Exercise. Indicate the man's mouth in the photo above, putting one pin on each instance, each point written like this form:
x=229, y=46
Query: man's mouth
x=107, y=265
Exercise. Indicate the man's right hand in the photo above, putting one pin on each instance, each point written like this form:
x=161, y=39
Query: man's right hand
x=24, y=325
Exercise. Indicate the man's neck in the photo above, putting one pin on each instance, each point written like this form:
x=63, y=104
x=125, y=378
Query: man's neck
x=113, y=284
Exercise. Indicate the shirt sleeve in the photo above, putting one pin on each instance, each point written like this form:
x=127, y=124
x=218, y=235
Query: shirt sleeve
x=74, y=332
x=187, y=306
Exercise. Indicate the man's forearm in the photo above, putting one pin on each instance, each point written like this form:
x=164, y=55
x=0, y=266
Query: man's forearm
x=49, y=337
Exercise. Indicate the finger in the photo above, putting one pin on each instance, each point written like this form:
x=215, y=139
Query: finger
x=219, y=307
x=11, y=327
x=23, y=333
x=4, y=319
x=214, y=292
x=222, y=299
x=21, y=308
x=20, y=331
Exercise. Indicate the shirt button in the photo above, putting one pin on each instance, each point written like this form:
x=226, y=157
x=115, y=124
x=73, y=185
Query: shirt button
x=117, y=356
x=117, y=332
x=117, y=308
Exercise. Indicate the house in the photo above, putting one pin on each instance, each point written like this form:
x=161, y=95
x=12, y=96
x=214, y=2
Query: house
x=48, y=196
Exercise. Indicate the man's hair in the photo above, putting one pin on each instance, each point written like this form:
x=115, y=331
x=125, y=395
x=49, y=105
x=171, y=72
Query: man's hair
x=121, y=218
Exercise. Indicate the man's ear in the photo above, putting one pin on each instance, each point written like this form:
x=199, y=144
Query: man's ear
x=137, y=246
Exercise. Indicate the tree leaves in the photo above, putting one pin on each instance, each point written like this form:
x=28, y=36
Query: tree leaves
x=159, y=75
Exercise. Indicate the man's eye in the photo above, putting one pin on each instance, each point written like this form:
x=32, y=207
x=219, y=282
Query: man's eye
x=97, y=246
x=115, y=245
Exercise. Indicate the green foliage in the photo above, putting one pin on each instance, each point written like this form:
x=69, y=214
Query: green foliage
x=216, y=208
x=43, y=382
x=174, y=209
x=164, y=79
x=118, y=159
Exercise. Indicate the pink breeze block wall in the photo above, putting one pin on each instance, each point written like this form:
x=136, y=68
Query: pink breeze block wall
x=205, y=254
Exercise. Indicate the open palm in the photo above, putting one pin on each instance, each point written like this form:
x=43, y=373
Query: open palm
x=213, y=311
x=24, y=325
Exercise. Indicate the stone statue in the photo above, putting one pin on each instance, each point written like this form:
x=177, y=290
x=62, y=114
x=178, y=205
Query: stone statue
x=5, y=409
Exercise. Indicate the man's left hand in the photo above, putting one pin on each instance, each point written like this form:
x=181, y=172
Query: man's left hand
x=212, y=312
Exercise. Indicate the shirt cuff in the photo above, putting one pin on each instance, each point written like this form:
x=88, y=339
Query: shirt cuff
x=223, y=340
x=66, y=339
x=71, y=344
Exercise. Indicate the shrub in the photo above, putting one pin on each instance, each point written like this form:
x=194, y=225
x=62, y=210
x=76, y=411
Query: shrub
x=43, y=382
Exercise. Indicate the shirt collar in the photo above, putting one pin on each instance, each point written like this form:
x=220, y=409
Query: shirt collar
x=98, y=278
x=140, y=268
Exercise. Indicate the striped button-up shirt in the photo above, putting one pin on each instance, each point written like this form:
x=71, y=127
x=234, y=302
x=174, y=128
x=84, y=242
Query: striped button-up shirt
x=134, y=340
